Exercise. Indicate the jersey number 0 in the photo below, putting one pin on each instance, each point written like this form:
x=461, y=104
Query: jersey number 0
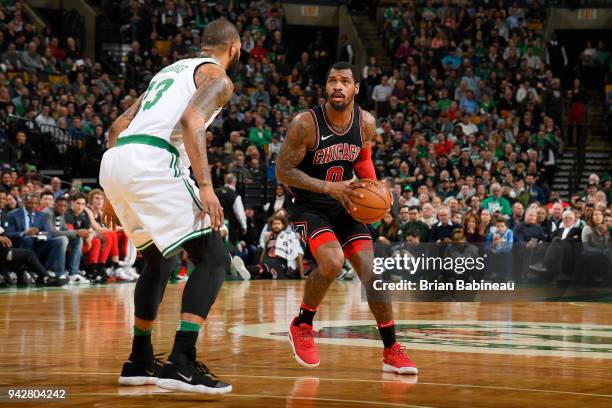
x=334, y=174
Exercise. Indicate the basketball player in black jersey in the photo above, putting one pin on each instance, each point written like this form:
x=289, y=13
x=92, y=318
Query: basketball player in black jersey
x=323, y=150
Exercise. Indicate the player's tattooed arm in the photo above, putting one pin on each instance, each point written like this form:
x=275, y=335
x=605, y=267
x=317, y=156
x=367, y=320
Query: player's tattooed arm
x=368, y=125
x=299, y=137
x=123, y=121
x=214, y=89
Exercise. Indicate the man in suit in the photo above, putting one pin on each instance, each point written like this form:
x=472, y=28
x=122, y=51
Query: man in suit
x=561, y=252
x=18, y=259
x=27, y=229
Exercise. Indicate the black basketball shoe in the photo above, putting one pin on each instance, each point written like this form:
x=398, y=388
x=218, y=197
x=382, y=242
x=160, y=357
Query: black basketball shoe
x=48, y=280
x=183, y=374
x=136, y=373
x=24, y=279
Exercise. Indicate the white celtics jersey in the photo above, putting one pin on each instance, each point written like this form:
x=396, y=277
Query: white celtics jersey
x=165, y=100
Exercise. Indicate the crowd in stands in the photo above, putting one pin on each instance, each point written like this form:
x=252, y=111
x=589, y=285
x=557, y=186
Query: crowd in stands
x=468, y=122
x=471, y=118
x=52, y=236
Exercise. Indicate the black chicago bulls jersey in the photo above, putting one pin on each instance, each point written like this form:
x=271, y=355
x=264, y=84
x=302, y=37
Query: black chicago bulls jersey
x=332, y=158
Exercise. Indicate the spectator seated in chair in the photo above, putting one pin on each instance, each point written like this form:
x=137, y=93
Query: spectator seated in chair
x=28, y=229
x=72, y=240
x=281, y=257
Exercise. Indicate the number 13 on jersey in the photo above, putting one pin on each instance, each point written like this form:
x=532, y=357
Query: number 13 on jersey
x=160, y=87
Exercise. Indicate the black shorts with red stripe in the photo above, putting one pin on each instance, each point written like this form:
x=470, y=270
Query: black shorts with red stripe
x=317, y=227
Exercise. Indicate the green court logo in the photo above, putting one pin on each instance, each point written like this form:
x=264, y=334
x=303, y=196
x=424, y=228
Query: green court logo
x=493, y=337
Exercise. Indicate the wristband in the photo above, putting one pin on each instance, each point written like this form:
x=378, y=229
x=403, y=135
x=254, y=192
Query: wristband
x=324, y=184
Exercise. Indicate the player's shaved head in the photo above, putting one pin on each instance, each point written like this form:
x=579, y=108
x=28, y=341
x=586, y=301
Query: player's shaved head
x=221, y=40
x=220, y=33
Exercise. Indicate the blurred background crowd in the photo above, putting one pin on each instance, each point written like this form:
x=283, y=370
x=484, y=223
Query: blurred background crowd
x=477, y=109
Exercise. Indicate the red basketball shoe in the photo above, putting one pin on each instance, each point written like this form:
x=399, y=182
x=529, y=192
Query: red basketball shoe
x=302, y=343
x=395, y=360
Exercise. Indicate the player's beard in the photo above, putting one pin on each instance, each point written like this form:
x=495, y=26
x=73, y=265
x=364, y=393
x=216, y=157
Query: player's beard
x=342, y=106
x=233, y=67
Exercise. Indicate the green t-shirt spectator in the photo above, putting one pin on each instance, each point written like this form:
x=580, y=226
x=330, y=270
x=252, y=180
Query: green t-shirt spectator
x=422, y=151
x=524, y=47
x=87, y=128
x=488, y=105
x=285, y=109
x=254, y=28
x=202, y=21
x=602, y=58
x=500, y=204
x=523, y=197
x=19, y=106
x=484, y=71
x=393, y=20
x=499, y=153
x=260, y=137
x=388, y=13
x=444, y=104
x=548, y=138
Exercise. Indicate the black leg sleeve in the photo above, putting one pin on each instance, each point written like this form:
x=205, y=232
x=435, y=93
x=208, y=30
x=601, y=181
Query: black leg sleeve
x=152, y=282
x=212, y=263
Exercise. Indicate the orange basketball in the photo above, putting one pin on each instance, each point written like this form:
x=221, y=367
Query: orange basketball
x=374, y=204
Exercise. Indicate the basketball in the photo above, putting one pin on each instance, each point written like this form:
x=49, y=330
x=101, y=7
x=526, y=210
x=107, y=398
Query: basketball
x=374, y=204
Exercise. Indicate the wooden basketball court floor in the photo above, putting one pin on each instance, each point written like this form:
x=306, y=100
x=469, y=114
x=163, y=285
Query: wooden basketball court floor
x=469, y=354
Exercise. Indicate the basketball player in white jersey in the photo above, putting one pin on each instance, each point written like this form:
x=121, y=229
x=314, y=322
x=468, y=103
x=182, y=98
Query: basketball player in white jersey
x=145, y=175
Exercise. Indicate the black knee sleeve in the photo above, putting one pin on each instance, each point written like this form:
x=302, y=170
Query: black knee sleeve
x=152, y=282
x=212, y=262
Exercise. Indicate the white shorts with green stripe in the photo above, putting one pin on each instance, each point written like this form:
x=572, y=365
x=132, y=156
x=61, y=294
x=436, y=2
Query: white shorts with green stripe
x=152, y=194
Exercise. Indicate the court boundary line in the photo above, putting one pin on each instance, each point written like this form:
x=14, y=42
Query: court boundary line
x=428, y=383
x=282, y=397
x=493, y=387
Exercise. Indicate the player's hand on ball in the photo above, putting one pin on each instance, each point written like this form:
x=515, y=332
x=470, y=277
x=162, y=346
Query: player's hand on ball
x=343, y=191
x=211, y=206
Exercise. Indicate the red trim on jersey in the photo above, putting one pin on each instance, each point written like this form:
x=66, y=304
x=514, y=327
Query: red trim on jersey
x=360, y=243
x=322, y=238
x=330, y=126
x=386, y=324
x=316, y=122
x=319, y=231
x=353, y=237
x=306, y=307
